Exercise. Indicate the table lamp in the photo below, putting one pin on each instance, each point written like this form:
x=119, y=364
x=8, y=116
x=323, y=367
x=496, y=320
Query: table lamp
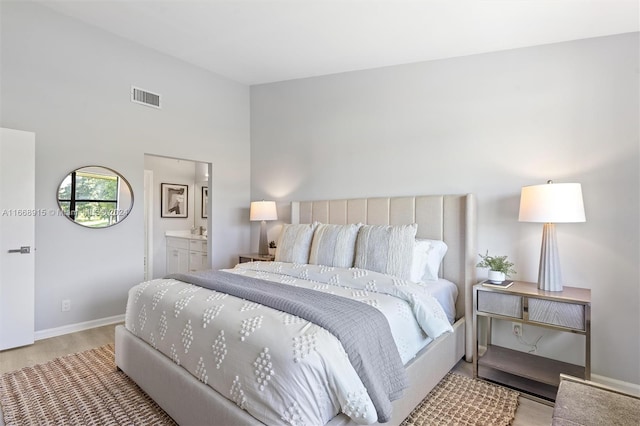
x=551, y=203
x=263, y=211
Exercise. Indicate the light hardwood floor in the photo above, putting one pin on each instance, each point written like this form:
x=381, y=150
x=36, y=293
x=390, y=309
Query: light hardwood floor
x=47, y=349
x=529, y=413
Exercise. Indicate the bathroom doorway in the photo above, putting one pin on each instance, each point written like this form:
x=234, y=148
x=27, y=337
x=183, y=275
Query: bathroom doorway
x=193, y=178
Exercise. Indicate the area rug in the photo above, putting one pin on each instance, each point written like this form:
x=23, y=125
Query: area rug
x=79, y=389
x=87, y=389
x=461, y=400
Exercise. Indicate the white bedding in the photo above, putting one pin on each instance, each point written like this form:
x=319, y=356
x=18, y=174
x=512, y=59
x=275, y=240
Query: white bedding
x=446, y=294
x=277, y=367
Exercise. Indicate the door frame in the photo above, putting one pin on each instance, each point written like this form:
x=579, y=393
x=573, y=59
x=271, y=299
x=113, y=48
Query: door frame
x=148, y=224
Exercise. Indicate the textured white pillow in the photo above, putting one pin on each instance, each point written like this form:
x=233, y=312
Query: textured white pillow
x=386, y=248
x=427, y=257
x=294, y=243
x=334, y=245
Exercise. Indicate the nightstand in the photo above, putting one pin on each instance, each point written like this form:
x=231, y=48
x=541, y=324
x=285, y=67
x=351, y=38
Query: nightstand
x=539, y=377
x=255, y=257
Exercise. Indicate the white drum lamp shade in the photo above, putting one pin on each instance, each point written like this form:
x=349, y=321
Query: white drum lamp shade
x=551, y=203
x=263, y=211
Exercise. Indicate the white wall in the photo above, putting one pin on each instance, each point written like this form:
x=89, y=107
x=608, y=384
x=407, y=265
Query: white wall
x=487, y=124
x=69, y=83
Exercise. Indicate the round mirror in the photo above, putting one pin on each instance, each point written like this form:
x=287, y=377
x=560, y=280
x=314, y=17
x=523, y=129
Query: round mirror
x=95, y=197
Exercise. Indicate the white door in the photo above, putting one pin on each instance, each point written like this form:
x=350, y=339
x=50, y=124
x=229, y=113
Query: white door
x=17, y=235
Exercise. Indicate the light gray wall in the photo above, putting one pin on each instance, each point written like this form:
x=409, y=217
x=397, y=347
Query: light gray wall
x=487, y=124
x=69, y=83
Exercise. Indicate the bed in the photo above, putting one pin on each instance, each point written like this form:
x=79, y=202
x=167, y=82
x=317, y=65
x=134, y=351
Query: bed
x=185, y=396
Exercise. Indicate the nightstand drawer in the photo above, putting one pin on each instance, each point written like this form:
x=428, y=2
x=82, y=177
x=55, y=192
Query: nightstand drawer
x=500, y=304
x=563, y=314
x=255, y=257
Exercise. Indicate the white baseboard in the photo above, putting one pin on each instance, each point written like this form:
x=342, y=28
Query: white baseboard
x=72, y=328
x=627, y=387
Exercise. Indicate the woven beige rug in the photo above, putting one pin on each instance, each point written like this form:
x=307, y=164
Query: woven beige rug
x=79, y=389
x=461, y=400
x=87, y=389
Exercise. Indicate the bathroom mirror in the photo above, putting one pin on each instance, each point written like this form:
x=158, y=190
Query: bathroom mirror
x=95, y=197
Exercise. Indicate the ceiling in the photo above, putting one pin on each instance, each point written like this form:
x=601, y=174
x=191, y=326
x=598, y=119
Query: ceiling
x=261, y=41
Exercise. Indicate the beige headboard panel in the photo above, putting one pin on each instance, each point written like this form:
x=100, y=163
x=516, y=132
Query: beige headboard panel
x=451, y=218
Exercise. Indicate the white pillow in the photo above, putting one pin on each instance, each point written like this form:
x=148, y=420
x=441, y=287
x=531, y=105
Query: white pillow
x=334, y=245
x=294, y=243
x=386, y=249
x=427, y=257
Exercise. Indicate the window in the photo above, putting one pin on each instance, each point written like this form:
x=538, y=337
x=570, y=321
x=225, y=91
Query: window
x=90, y=198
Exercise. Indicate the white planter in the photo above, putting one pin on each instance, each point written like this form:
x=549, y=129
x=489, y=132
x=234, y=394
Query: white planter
x=496, y=277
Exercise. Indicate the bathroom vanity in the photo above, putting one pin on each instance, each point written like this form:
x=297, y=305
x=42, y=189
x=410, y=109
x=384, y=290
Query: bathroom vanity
x=186, y=252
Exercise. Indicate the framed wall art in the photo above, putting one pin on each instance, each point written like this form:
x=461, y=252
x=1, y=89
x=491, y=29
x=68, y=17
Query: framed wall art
x=174, y=200
x=205, y=201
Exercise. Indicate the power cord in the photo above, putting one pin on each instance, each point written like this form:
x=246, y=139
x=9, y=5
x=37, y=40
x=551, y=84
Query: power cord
x=533, y=347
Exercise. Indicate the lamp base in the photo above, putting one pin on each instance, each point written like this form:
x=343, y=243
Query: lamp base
x=549, y=274
x=263, y=246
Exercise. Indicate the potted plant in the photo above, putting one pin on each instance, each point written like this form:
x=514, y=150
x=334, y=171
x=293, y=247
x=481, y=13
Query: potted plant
x=272, y=248
x=499, y=267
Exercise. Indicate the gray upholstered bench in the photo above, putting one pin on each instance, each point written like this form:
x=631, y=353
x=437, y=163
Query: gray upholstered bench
x=582, y=402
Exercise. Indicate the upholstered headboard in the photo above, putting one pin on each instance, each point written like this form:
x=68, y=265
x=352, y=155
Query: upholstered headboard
x=451, y=218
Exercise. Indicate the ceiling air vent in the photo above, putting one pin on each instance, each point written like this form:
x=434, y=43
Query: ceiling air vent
x=144, y=97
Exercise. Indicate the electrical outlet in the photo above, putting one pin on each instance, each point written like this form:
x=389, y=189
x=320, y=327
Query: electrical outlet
x=516, y=327
x=66, y=305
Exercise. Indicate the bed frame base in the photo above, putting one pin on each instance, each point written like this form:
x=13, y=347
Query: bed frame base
x=190, y=402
